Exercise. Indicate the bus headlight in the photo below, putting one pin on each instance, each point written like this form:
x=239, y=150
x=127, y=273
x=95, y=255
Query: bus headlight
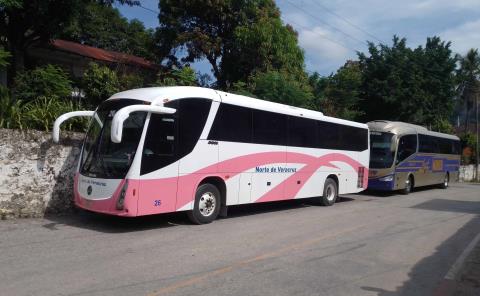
x=388, y=178
x=121, y=198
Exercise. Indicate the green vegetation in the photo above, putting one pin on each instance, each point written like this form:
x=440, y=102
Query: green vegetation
x=47, y=81
x=251, y=52
x=99, y=83
x=104, y=27
x=181, y=77
x=238, y=38
x=39, y=97
x=412, y=85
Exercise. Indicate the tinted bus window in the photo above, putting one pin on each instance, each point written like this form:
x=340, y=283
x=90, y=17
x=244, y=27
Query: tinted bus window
x=342, y=137
x=407, y=145
x=302, y=132
x=269, y=128
x=432, y=144
x=233, y=124
x=171, y=137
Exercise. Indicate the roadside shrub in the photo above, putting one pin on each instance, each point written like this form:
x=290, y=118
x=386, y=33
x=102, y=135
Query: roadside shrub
x=469, y=143
x=99, y=83
x=130, y=81
x=10, y=110
x=4, y=57
x=41, y=113
x=46, y=81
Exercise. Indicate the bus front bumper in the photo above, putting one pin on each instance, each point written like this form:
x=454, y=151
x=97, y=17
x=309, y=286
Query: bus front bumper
x=381, y=184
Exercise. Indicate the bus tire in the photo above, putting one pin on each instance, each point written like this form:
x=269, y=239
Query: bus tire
x=446, y=180
x=408, y=186
x=330, y=193
x=207, y=204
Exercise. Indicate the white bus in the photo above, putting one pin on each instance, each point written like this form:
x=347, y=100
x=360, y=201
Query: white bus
x=167, y=149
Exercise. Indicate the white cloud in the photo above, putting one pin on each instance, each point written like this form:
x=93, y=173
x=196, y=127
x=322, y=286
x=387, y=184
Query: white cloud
x=321, y=51
x=464, y=36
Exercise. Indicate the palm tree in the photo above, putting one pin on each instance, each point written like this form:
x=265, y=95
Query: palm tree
x=469, y=76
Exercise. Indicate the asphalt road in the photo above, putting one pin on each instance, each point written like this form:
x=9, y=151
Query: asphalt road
x=365, y=245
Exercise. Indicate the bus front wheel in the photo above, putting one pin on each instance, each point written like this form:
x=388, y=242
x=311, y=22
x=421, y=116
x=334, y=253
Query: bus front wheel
x=408, y=186
x=330, y=193
x=207, y=204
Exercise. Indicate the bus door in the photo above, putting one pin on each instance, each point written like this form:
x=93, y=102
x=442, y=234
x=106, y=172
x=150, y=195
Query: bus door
x=405, y=161
x=159, y=166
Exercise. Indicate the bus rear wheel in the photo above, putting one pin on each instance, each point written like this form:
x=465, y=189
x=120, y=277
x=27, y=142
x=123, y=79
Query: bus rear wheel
x=446, y=180
x=408, y=186
x=206, y=206
x=330, y=192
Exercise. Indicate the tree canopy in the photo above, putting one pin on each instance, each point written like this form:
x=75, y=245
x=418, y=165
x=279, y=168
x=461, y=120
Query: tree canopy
x=104, y=27
x=412, y=85
x=26, y=22
x=238, y=38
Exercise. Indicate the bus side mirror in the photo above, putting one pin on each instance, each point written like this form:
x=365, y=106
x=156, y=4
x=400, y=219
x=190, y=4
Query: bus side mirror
x=66, y=116
x=122, y=114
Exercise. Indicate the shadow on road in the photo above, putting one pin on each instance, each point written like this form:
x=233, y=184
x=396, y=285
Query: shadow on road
x=447, y=205
x=113, y=224
x=427, y=275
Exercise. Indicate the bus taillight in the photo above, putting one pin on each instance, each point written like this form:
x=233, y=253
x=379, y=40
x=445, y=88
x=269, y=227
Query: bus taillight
x=361, y=173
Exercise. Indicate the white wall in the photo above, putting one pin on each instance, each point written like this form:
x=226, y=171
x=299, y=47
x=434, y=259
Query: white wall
x=36, y=175
x=467, y=173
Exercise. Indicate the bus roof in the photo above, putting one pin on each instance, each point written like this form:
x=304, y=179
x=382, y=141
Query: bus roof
x=398, y=127
x=152, y=94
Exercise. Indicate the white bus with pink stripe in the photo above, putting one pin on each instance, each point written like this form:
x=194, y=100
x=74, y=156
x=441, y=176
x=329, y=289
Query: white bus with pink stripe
x=167, y=149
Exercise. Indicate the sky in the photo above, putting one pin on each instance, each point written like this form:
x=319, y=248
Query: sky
x=331, y=32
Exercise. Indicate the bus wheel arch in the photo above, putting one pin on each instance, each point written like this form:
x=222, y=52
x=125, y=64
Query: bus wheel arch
x=330, y=190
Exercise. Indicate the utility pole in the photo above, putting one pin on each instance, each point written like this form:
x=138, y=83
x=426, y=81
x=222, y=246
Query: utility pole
x=477, y=135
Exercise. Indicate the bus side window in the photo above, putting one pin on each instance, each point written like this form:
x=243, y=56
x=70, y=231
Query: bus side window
x=407, y=145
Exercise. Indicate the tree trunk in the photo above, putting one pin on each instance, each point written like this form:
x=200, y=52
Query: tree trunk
x=17, y=65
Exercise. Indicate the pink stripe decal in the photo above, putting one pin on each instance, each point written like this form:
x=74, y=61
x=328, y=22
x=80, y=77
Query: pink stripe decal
x=290, y=191
x=172, y=199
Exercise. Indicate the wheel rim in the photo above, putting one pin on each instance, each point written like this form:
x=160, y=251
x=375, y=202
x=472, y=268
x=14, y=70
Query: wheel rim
x=207, y=204
x=408, y=185
x=330, y=192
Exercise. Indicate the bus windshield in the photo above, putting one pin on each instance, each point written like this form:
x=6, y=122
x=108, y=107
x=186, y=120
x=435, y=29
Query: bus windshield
x=381, y=156
x=101, y=157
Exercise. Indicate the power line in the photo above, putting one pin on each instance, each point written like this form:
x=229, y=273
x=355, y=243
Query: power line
x=148, y=9
x=347, y=21
x=325, y=23
x=321, y=36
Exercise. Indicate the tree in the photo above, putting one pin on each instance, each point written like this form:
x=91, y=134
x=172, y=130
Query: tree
x=104, y=27
x=281, y=87
x=178, y=77
x=238, y=38
x=99, y=83
x=416, y=86
x=339, y=94
x=26, y=22
x=468, y=76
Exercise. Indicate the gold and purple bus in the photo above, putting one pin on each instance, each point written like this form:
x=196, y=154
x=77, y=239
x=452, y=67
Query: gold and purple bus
x=404, y=156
